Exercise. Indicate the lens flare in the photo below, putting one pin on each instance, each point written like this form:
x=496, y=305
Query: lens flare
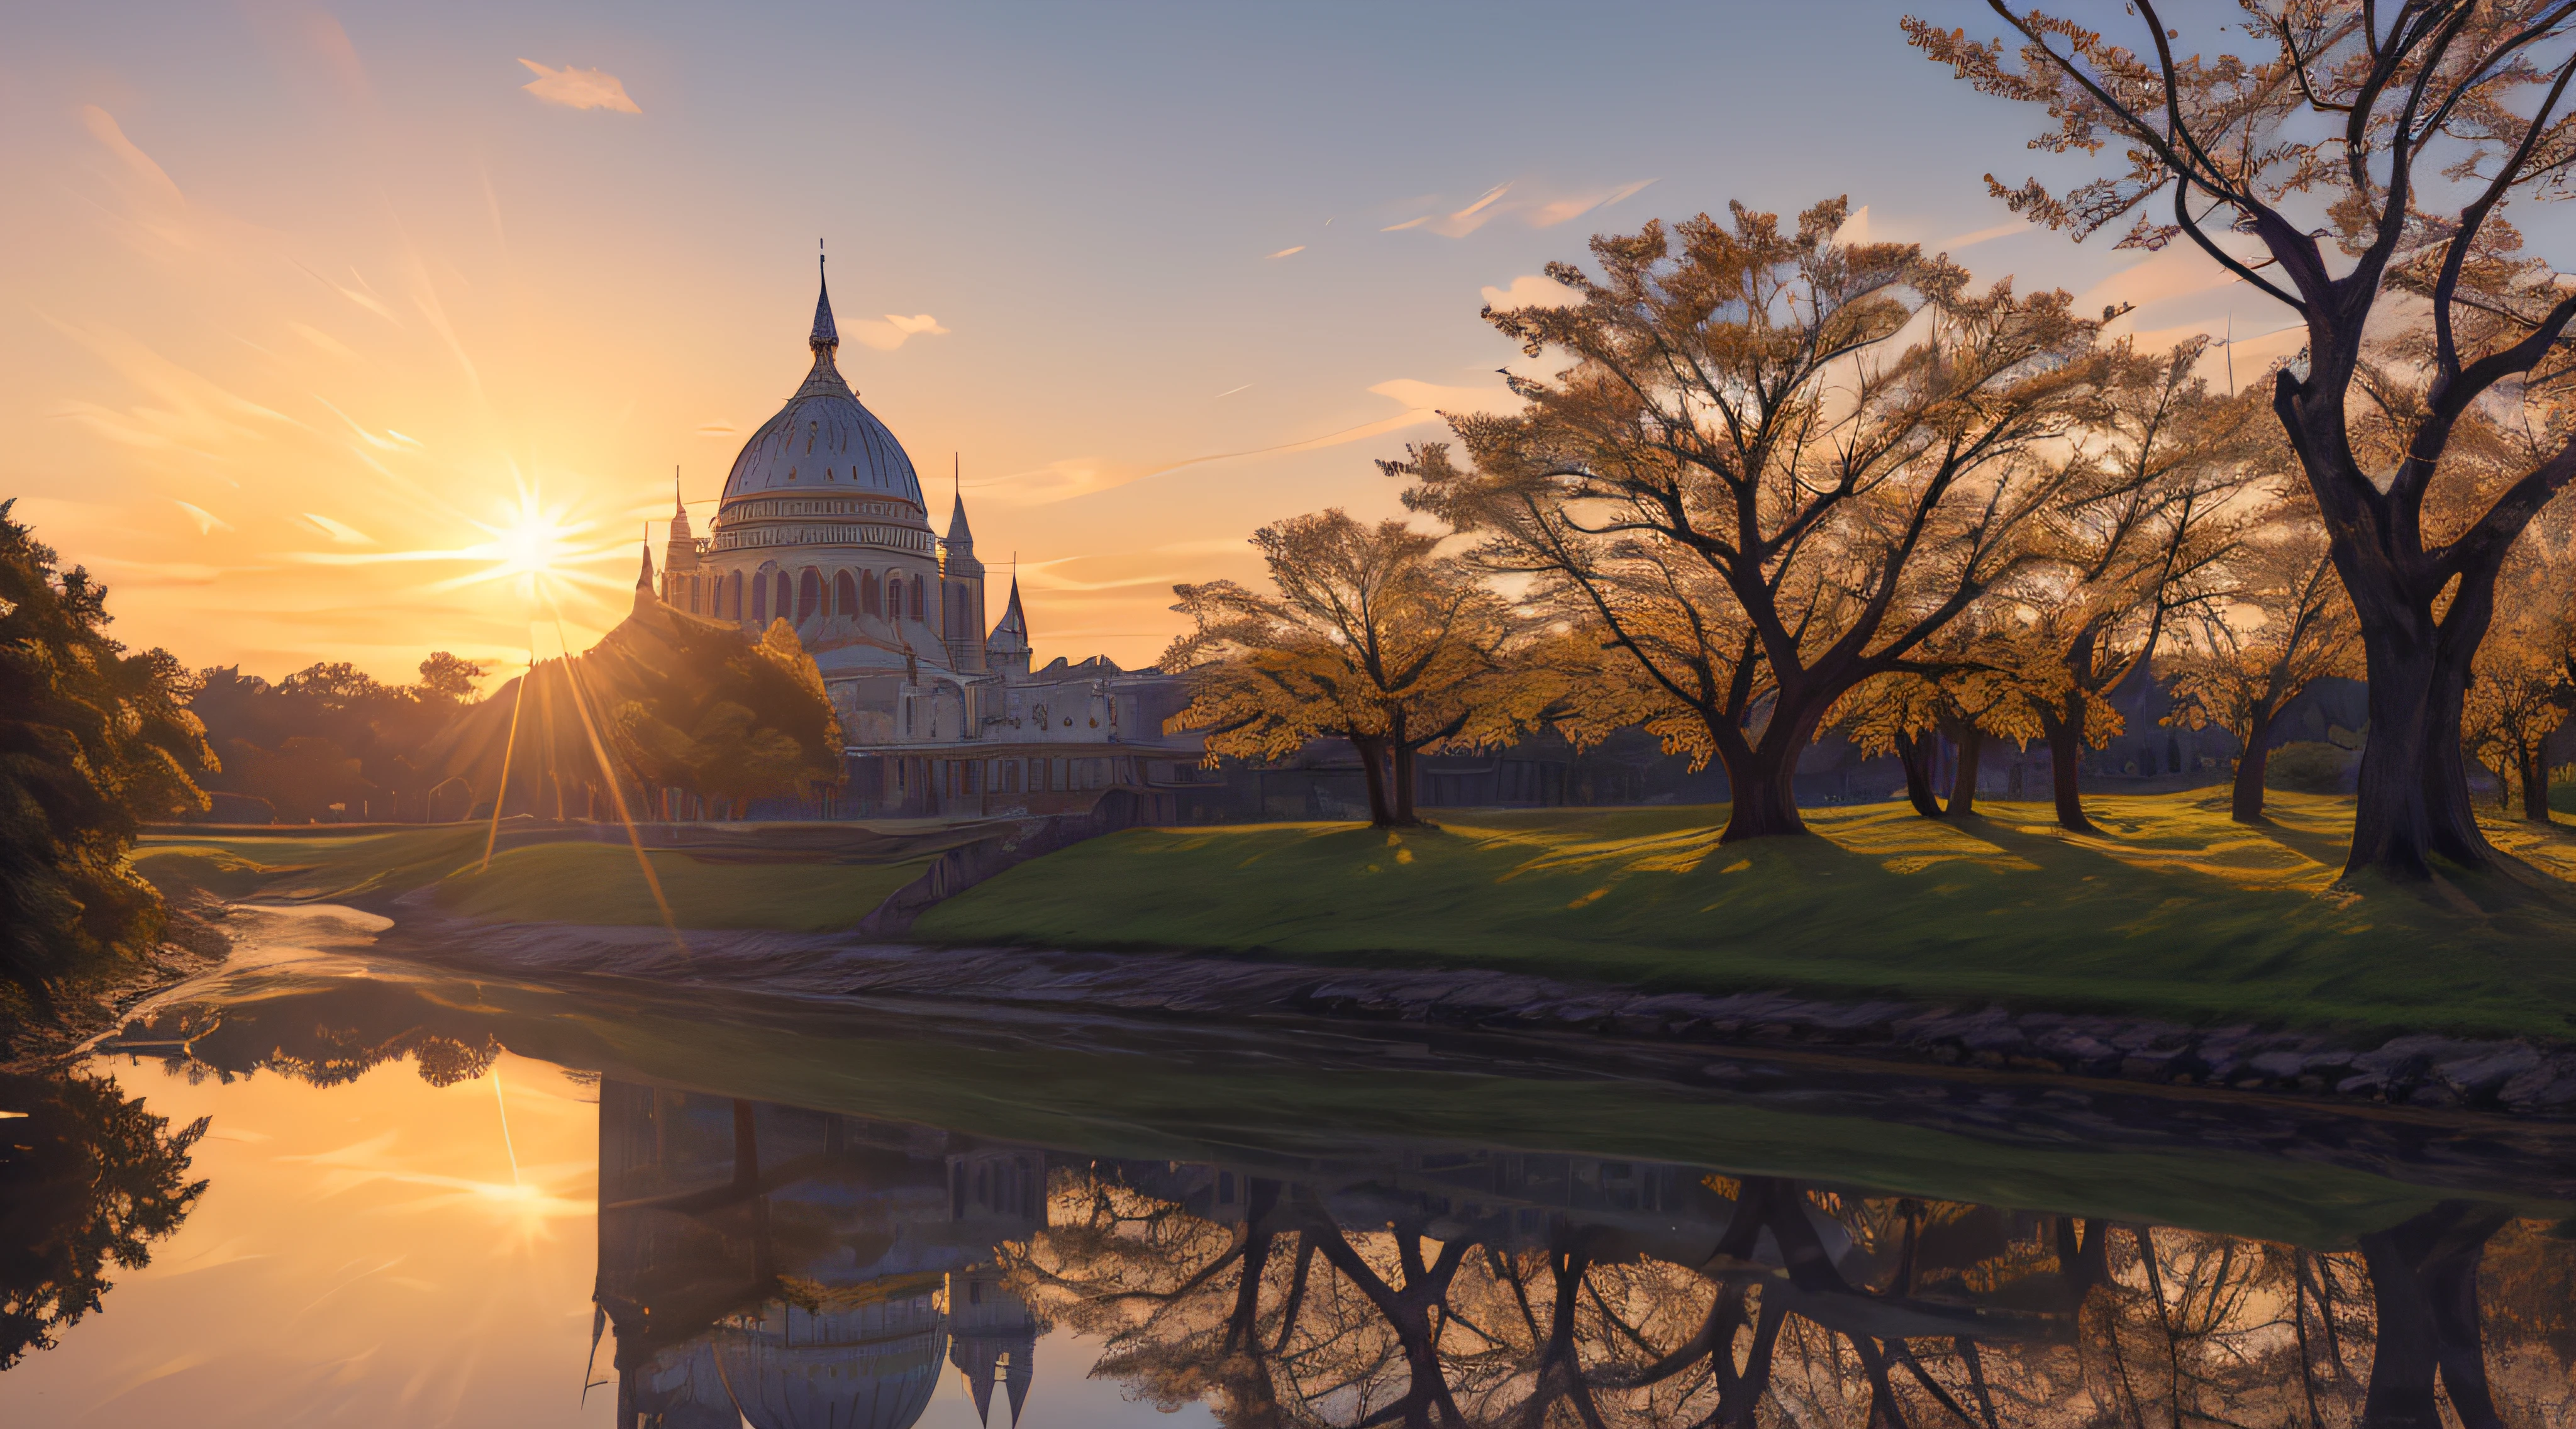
x=541, y=552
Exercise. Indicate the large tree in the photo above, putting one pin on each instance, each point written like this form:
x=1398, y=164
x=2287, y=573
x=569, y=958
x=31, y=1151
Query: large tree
x=1776, y=465
x=2354, y=168
x=93, y=743
x=1372, y=636
x=666, y=701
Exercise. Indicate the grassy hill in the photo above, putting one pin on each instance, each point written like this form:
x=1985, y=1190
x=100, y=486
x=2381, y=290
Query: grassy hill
x=2174, y=911
x=571, y=880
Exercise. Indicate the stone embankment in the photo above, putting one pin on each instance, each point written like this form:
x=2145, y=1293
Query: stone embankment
x=2414, y=1071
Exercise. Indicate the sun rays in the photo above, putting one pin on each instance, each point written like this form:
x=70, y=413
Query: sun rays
x=540, y=552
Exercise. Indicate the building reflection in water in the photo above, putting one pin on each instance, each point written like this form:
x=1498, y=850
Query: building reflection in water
x=795, y=1268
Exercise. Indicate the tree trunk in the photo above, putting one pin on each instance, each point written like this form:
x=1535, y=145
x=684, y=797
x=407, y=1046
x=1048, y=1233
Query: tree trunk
x=1761, y=777
x=2247, y=806
x=2414, y=801
x=2535, y=784
x=1963, y=780
x=1405, y=778
x=2065, y=771
x=1914, y=751
x=2423, y=1281
x=1372, y=752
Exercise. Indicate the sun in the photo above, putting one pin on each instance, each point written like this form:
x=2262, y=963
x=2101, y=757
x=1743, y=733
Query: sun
x=535, y=547
x=539, y=551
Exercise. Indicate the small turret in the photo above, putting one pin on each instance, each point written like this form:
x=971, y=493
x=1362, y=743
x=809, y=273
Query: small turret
x=684, y=586
x=1007, y=652
x=680, y=553
x=961, y=594
x=644, y=598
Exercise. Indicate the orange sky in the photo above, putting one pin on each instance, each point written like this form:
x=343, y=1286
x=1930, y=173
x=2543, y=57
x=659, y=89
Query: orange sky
x=306, y=310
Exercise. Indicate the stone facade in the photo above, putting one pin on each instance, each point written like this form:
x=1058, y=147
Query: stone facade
x=822, y=523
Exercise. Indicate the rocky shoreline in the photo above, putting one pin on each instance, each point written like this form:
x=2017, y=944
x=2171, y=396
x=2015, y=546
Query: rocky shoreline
x=2415, y=1070
x=194, y=942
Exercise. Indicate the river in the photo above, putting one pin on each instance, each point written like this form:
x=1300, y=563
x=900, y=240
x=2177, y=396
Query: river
x=324, y=1186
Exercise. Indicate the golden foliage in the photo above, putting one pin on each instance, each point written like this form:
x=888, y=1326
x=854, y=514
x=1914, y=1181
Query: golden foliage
x=1752, y=482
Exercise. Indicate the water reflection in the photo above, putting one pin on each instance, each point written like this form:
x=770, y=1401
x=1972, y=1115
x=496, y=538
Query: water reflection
x=793, y=1268
x=88, y=1179
x=820, y=1217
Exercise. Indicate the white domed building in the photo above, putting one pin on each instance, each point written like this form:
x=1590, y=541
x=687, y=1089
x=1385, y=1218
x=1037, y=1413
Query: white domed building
x=822, y=523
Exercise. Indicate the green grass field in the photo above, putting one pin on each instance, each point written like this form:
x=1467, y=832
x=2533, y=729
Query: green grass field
x=2174, y=911
x=567, y=882
x=600, y=884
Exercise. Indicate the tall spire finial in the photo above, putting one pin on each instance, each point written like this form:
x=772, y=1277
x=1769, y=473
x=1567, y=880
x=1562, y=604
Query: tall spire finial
x=961, y=541
x=826, y=336
x=679, y=508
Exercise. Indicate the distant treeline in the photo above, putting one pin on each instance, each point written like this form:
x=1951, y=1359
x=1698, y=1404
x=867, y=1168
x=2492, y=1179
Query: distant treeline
x=331, y=743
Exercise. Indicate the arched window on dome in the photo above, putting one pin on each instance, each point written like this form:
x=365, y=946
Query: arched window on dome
x=845, y=595
x=784, y=599
x=760, y=599
x=809, y=595
x=732, y=596
x=919, y=610
x=894, y=596
x=868, y=592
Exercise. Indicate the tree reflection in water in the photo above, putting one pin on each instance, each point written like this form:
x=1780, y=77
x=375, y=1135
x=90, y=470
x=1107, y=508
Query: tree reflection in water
x=796, y=1267
x=87, y=1178
x=779, y=1266
x=1797, y=1305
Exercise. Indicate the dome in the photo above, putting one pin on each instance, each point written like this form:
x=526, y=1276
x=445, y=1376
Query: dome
x=823, y=442
x=873, y=1368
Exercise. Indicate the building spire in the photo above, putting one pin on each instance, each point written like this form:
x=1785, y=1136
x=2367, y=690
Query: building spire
x=825, y=336
x=960, y=540
x=679, y=508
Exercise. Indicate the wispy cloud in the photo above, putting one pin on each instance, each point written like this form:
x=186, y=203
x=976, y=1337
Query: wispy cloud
x=156, y=217
x=157, y=573
x=1981, y=235
x=1514, y=199
x=579, y=88
x=340, y=531
x=1548, y=215
x=1531, y=290
x=717, y=429
x=1062, y=479
x=185, y=409
x=104, y=128
x=893, y=331
x=207, y=521
x=1475, y=215
x=364, y=295
x=1422, y=402
x=1285, y=252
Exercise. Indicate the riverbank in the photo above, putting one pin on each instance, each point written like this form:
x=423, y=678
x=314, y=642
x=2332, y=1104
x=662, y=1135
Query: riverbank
x=194, y=941
x=2171, y=913
x=2174, y=948
x=788, y=877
